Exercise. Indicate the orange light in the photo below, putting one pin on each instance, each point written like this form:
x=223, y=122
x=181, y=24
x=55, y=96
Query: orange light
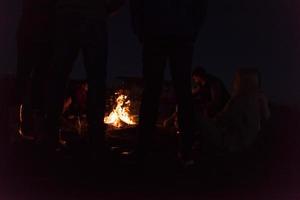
x=121, y=113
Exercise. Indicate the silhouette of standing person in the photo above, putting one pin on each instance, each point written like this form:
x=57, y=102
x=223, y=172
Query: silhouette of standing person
x=167, y=30
x=35, y=51
x=80, y=25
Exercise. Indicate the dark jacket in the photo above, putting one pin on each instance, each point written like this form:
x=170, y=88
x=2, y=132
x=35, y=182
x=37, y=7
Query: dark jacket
x=37, y=9
x=92, y=8
x=213, y=95
x=179, y=18
x=37, y=19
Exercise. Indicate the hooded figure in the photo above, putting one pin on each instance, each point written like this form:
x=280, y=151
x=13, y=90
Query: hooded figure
x=167, y=30
x=80, y=25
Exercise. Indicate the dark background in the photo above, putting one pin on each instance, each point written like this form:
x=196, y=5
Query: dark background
x=261, y=33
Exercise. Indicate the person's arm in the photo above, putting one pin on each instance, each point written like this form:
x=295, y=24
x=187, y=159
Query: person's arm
x=114, y=6
x=67, y=104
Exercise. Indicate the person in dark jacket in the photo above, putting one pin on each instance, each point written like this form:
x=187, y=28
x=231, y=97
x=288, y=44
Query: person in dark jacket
x=80, y=25
x=209, y=96
x=209, y=92
x=35, y=51
x=167, y=30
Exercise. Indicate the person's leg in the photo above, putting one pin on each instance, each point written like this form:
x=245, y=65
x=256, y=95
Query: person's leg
x=34, y=54
x=181, y=66
x=25, y=64
x=154, y=63
x=94, y=41
x=25, y=58
x=33, y=58
x=44, y=58
x=39, y=76
x=27, y=40
x=44, y=50
x=66, y=49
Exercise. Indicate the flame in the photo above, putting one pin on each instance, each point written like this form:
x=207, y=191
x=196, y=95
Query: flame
x=121, y=113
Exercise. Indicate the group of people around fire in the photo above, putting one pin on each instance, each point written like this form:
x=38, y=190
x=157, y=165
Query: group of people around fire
x=227, y=122
x=53, y=32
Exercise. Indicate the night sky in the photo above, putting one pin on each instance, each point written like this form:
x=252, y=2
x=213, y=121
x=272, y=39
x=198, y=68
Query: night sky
x=262, y=33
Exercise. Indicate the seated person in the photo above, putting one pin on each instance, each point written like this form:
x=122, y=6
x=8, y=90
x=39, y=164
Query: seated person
x=74, y=111
x=76, y=101
x=209, y=92
x=81, y=98
x=237, y=127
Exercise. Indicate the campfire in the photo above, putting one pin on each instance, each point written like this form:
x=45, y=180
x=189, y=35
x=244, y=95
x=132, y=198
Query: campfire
x=121, y=115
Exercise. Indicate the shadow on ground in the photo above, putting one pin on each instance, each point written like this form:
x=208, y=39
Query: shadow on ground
x=271, y=172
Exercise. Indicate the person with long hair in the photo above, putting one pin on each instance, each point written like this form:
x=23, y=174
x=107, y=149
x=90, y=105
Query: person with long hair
x=236, y=128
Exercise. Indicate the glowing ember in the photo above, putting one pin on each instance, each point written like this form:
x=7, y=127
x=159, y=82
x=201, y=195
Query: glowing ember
x=121, y=113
